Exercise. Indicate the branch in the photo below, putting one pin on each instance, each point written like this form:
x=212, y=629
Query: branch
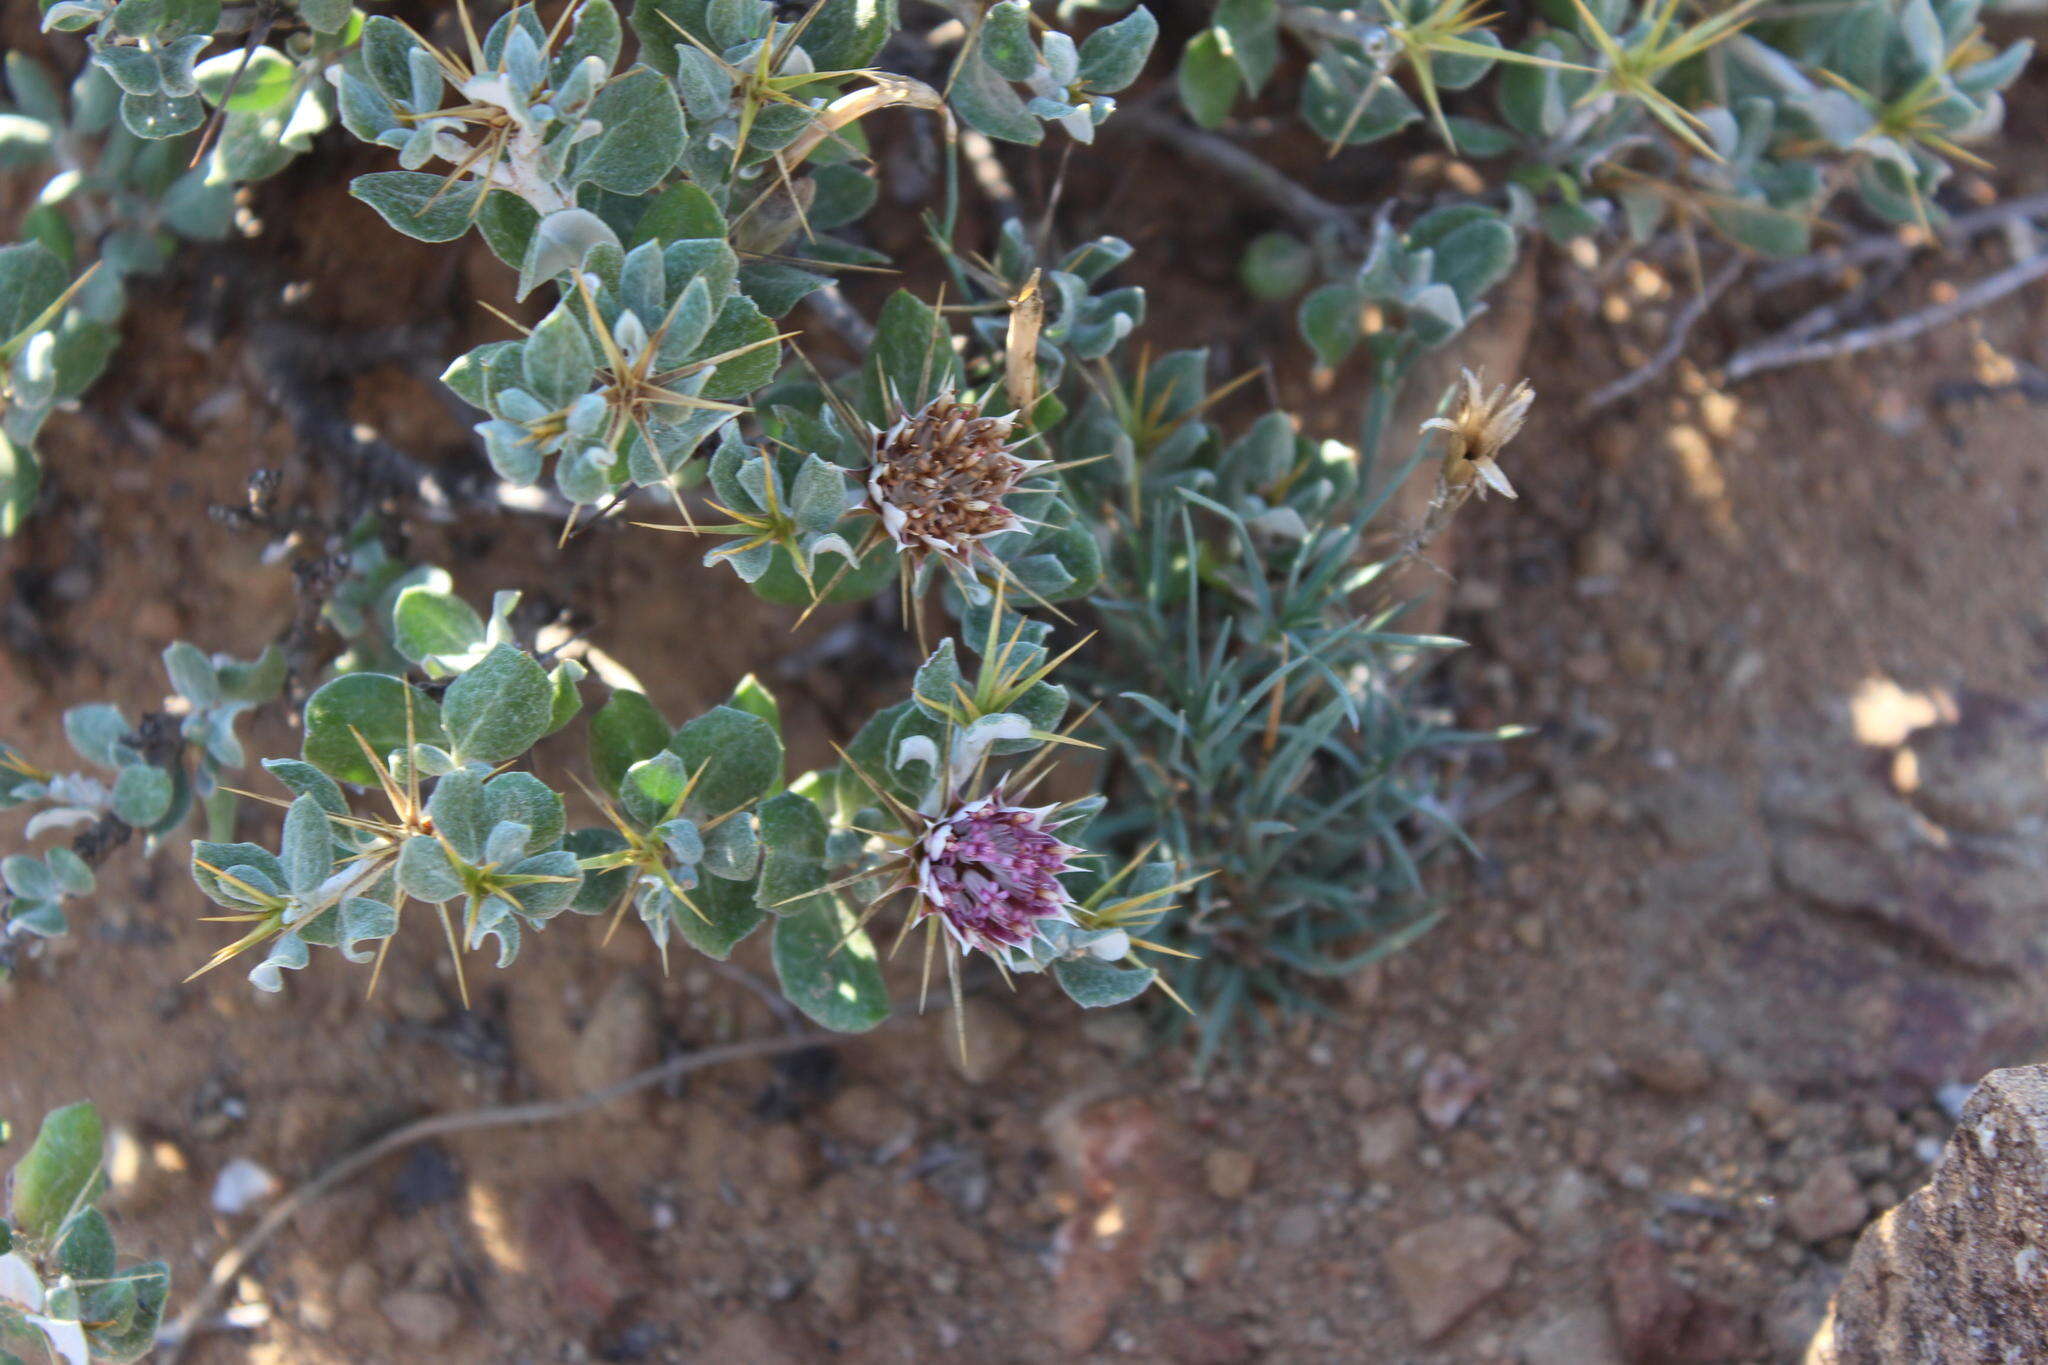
x=1782, y=351
x=1674, y=340
x=829, y=306
x=1267, y=182
x=178, y=1336
x=989, y=173
x=1884, y=247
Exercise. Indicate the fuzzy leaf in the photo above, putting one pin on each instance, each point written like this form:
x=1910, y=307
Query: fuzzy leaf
x=740, y=324
x=426, y=623
x=32, y=277
x=910, y=361
x=250, y=863
x=740, y=754
x=304, y=779
x=650, y=788
x=642, y=137
x=1207, y=79
x=753, y=697
x=97, y=731
x=374, y=705
x=498, y=709
x=1094, y=984
x=1112, y=56
x=1006, y=40
x=728, y=915
x=986, y=103
x=828, y=968
x=56, y=1177
x=558, y=361
x=682, y=211
x=732, y=849
x=142, y=795
x=625, y=730
x=265, y=83
x=524, y=798
x=425, y=872
x=564, y=240
x=844, y=35
x=307, y=851
x=414, y=203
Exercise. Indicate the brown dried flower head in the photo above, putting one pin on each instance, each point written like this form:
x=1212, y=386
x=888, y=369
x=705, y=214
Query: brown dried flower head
x=1477, y=428
x=941, y=474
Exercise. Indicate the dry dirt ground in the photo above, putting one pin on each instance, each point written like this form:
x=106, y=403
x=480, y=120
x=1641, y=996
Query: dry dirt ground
x=1761, y=889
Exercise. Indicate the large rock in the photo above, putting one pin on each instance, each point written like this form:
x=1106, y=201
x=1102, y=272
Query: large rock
x=1958, y=1273
x=1897, y=896
x=1986, y=771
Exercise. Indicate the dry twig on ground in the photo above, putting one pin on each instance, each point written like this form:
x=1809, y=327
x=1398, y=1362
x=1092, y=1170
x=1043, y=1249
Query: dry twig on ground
x=1680, y=332
x=1781, y=351
x=231, y=1263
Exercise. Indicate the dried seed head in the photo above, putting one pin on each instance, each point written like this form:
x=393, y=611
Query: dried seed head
x=1477, y=428
x=991, y=873
x=940, y=477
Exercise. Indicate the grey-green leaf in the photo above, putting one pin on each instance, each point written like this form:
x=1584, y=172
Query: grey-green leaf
x=55, y=1177
x=829, y=969
x=740, y=757
x=498, y=709
x=375, y=706
x=416, y=204
x=1094, y=984
x=625, y=730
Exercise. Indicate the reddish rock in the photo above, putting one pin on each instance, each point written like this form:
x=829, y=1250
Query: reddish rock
x=621, y=1038
x=1660, y=1321
x=1229, y=1172
x=1828, y=1203
x=1447, y=1269
x=1576, y=1334
x=1677, y=1071
x=589, y=1261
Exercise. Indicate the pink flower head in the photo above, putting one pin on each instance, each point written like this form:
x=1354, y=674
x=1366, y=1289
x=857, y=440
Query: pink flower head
x=991, y=873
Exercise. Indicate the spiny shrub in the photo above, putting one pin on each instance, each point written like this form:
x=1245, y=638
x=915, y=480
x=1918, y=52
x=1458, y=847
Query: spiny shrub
x=64, y=1294
x=1613, y=120
x=1201, y=614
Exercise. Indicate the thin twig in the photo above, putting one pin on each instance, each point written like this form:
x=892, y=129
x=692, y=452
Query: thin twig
x=1955, y=232
x=989, y=173
x=1845, y=307
x=830, y=307
x=220, y=111
x=1780, y=352
x=767, y=994
x=175, y=1338
x=1675, y=338
x=1309, y=210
